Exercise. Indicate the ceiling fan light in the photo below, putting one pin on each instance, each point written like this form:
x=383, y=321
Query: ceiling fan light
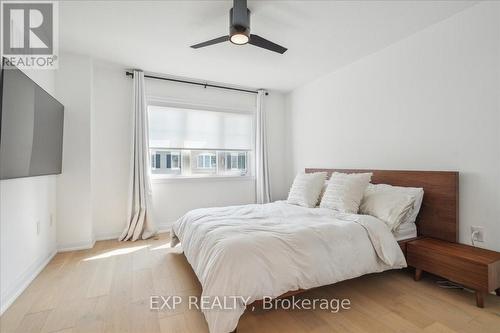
x=239, y=39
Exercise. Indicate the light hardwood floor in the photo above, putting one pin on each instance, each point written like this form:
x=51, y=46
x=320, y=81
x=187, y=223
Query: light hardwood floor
x=107, y=289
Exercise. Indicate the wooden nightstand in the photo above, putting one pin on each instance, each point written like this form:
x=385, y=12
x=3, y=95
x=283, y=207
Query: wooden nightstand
x=472, y=267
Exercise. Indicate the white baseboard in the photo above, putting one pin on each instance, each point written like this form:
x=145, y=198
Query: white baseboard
x=113, y=235
x=164, y=228
x=11, y=294
x=83, y=245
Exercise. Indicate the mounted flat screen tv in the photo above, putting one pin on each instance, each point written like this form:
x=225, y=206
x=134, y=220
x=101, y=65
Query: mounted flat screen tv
x=31, y=128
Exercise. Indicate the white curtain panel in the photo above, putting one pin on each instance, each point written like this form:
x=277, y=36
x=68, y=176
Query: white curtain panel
x=262, y=187
x=140, y=218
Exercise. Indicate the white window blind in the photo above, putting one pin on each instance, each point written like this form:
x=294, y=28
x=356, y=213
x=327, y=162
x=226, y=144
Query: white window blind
x=179, y=128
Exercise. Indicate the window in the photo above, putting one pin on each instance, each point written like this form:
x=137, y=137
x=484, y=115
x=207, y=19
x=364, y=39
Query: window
x=165, y=161
x=155, y=161
x=176, y=160
x=189, y=142
x=235, y=162
x=206, y=161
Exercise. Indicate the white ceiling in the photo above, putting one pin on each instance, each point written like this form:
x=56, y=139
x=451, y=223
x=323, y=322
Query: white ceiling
x=321, y=36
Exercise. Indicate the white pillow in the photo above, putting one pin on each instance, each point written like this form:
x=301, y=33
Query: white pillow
x=306, y=189
x=418, y=192
x=345, y=191
x=394, y=205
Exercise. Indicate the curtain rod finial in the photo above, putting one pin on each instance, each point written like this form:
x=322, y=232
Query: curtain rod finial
x=266, y=93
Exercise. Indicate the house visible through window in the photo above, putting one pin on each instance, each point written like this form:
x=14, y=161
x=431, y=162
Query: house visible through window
x=206, y=161
x=165, y=161
x=235, y=160
x=155, y=161
x=188, y=142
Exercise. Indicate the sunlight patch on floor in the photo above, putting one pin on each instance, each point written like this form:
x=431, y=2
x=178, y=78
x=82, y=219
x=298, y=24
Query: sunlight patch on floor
x=165, y=246
x=117, y=252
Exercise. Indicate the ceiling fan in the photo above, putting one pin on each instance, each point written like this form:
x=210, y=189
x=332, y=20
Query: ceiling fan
x=239, y=31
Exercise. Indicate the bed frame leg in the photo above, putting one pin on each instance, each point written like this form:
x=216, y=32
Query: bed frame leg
x=418, y=274
x=479, y=299
x=497, y=291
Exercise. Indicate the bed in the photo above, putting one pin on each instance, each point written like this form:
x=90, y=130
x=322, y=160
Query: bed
x=275, y=250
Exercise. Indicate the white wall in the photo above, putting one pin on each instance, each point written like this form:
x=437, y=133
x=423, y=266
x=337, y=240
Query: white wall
x=275, y=106
x=23, y=203
x=111, y=148
x=428, y=102
x=92, y=191
x=74, y=206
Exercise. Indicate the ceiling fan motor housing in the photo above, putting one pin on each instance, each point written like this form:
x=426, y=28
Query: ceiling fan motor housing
x=239, y=22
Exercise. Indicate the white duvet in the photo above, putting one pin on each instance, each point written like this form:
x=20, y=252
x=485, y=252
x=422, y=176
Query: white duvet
x=259, y=251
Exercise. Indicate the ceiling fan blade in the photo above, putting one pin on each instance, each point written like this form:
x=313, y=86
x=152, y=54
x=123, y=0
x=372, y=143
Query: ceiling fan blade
x=211, y=42
x=266, y=44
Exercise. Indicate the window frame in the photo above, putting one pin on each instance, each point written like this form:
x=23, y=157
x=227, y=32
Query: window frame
x=181, y=104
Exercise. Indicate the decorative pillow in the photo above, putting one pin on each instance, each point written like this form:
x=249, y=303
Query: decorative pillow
x=345, y=191
x=306, y=189
x=394, y=205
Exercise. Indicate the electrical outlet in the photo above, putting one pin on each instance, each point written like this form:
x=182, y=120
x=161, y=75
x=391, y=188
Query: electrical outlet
x=38, y=227
x=479, y=236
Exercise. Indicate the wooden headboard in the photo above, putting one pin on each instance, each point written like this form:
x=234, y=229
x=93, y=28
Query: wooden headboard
x=438, y=216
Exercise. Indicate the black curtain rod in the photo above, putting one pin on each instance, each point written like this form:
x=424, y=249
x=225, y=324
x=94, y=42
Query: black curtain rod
x=195, y=83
